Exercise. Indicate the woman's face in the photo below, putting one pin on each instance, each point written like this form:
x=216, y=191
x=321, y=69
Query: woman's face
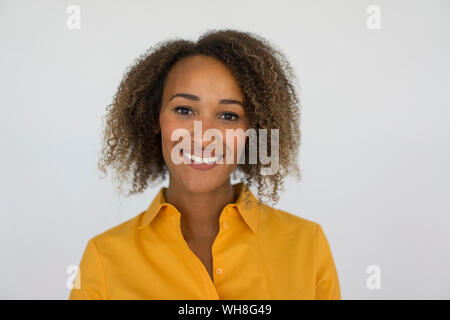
x=201, y=88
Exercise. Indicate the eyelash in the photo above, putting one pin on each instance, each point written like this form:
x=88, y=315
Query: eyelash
x=184, y=108
x=177, y=110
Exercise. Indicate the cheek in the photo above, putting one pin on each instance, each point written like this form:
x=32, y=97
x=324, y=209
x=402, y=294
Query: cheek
x=236, y=143
x=168, y=125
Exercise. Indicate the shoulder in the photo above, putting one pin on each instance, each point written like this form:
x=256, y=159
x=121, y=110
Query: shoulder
x=280, y=222
x=119, y=235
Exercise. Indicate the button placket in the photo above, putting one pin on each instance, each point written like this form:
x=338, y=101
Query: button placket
x=217, y=259
x=225, y=225
x=226, y=218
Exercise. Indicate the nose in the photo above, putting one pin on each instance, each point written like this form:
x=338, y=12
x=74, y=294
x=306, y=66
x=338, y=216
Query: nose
x=204, y=133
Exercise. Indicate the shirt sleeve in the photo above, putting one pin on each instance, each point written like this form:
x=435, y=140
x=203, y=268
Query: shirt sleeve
x=91, y=276
x=327, y=282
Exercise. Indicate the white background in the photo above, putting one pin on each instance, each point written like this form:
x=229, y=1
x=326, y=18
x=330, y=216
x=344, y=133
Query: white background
x=374, y=154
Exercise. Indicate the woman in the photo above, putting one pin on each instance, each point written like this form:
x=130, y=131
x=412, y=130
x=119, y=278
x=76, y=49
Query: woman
x=203, y=237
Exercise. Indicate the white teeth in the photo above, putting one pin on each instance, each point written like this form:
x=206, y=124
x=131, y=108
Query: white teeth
x=205, y=160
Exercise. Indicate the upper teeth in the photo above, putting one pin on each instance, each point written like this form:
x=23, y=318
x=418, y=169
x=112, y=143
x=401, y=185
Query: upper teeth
x=206, y=160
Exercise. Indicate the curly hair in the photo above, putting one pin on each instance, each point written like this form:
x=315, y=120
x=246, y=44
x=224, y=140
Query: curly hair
x=132, y=141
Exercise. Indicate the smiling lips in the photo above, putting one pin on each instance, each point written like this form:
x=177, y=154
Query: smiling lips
x=201, y=163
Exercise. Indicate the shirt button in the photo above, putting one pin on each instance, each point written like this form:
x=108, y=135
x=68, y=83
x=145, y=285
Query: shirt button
x=219, y=270
x=225, y=225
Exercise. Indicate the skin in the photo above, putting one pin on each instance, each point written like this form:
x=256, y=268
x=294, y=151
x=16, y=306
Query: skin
x=200, y=196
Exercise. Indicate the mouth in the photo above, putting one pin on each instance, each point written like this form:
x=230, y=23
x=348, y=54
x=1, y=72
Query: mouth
x=199, y=162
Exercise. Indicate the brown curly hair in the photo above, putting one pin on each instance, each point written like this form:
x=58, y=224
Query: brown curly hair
x=132, y=142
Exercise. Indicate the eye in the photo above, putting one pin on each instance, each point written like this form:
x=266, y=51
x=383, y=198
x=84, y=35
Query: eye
x=183, y=110
x=229, y=116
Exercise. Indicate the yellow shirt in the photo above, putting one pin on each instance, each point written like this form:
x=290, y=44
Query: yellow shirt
x=259, y=253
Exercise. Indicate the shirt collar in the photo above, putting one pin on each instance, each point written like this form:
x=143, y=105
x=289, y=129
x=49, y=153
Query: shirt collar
x=246, y=203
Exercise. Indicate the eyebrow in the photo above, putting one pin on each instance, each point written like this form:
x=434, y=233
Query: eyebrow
x=195, y=98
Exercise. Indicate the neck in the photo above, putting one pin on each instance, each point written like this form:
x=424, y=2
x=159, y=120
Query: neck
x=200, y=211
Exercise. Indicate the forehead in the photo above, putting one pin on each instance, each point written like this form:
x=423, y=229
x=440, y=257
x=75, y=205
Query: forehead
x=203, y=76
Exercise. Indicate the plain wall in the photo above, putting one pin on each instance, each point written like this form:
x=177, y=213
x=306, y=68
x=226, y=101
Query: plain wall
x=375, y=131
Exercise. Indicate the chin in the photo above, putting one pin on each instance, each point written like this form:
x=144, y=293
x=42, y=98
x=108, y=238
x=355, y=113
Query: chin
x=201, y=182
